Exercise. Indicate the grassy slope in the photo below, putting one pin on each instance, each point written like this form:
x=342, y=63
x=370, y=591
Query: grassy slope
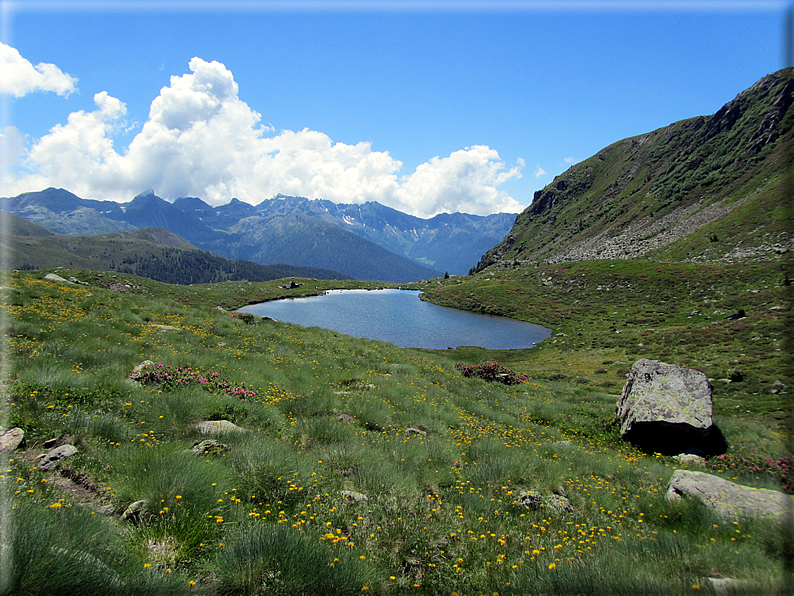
x=615, y=312
x=267, y=516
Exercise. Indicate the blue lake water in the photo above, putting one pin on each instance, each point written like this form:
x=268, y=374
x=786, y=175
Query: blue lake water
x=400, y=317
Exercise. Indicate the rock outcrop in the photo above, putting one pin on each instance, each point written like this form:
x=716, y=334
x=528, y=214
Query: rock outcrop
x=208, y=447
x=668, y=409
x=11, y=439
x=54, y=277
x=135, y=512
x=52, y=458
x=534, y=500
x=727, y=498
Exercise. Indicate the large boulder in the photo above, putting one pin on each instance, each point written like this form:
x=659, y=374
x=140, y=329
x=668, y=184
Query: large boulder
x=667, y=409
x=727, y=498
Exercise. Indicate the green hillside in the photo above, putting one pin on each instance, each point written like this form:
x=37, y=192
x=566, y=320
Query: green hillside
x=711, y=188
x=605, y=315
x=149, y=252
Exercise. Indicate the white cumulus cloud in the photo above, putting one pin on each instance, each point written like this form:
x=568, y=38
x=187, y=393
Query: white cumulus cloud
x=539, y=172
x=201, y=140
x=465, y=181
x=18, y=76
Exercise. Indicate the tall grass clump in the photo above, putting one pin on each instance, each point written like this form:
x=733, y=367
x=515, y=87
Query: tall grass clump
x=263, y=559
x=102, y=426
x=159, y=473
x=66, y=550
x=272, y=472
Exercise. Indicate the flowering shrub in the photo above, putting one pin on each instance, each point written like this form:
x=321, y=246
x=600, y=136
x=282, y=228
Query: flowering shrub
x=168, y=377
x=783, y=468
x=491, y=371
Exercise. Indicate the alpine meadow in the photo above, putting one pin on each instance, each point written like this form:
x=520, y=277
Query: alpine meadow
x=156, y=441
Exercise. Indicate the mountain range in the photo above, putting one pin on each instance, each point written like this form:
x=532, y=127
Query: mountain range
x=368, y=241
x=709, y=188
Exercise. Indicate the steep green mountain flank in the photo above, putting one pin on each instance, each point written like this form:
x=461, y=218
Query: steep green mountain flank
x=711, y=188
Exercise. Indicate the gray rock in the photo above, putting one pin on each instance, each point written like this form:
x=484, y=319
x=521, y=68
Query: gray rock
x=668, y=408
x=209, y=447
x=54, y=277
x=135, y=511
x=414, y=431
x=352, y=495
x=11, y=439
x=52, y=458
x=142, y=365
x=727, y=498
x=534, y=500
x=777, y=387
x=50, y=443
x=214, y=427
x=725, y=585
x=690, y=459
x=559, y=502
x=531, y=499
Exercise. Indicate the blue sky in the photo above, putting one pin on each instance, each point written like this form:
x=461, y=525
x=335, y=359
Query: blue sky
x=426, y=107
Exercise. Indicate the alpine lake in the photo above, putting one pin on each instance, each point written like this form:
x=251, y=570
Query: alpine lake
x=402, y=318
